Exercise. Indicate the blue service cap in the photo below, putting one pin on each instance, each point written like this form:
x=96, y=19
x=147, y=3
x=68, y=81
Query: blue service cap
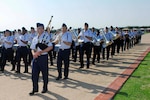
x=7, y=31
x=23, y=28
x=86, y=24
x=64, y=25
x=40, y=25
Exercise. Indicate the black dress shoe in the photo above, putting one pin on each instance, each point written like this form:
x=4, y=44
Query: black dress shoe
x=32, y=93
x=74, y=60
x=58, y=78
x=25, y=72
x=12, y=69
x=52, y=64
x=81, y=67
x=17, y=71
x=2, y=70
x=93, y=63
x=44, y=91
x=65, y=78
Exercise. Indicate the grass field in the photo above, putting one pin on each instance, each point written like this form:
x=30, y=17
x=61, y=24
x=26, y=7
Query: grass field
x=137, y=87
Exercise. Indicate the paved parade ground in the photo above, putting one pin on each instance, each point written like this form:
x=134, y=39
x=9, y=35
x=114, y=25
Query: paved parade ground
x=83, y=84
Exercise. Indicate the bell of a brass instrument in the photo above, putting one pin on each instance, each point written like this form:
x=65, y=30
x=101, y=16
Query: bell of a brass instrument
x=113, y=34
x=95, y=40
x=74, y=35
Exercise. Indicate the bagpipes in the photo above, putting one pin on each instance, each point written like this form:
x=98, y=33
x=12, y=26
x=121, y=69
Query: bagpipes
x=44, y=44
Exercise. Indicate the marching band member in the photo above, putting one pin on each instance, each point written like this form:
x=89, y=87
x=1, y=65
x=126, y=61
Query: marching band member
x=118, y=39
x=50, y=53
x=135, y=34
x=109, y=37
x=103, y=48
x=22, y=50
x=65, y=39
x=122, y=39
x=138, y=37
x=113, y=45
x=127, y=40
x=92, y=45
x=132, y=35
x=16, y=36
x=97, y=46
x=77, y=46
x=87, y=36
x=7, y=51
x=72, y=49
x=31, y=36
x=40, y=46
x=54, y=40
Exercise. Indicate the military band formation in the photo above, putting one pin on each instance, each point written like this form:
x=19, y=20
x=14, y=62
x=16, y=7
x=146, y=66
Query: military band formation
x=66, y=44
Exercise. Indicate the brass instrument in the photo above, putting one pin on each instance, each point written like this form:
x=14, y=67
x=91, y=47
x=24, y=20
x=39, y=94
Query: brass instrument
x=75, y=37
x=81, y=40
x=56, y=39
x=106, y=41
x=115, y=36
x=96, y=41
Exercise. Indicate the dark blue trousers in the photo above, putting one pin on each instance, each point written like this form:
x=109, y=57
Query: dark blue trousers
x=85, y=48
x=7, y=54
x=40, y=64
x=63, y=55
x=22, y=52
x=97, y=51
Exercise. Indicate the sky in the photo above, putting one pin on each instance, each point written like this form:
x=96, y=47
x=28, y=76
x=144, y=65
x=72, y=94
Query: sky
x=15, y=14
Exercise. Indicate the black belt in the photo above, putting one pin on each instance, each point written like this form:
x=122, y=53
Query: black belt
x=87, y=43
x=43, y=55
x=63, y=49
x=22, y=46
x=7, y=48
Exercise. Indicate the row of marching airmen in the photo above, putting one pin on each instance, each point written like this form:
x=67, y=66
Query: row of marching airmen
x=96, y=42
x=34, y=48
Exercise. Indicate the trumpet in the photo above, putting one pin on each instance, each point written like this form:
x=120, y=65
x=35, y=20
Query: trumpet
x=106, y=41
